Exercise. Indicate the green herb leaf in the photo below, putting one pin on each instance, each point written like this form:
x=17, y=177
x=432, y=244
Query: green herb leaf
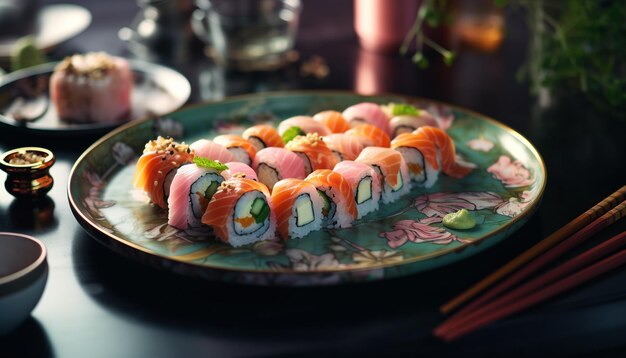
x=291, y=133
x=402, y=109
x=209, y=164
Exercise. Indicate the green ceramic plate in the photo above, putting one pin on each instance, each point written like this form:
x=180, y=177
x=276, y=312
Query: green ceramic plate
x=399, y=239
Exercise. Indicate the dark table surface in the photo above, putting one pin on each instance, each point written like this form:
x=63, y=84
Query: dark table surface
x=98, y=303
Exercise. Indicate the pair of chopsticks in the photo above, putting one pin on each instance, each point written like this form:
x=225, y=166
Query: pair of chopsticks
x=496, y=303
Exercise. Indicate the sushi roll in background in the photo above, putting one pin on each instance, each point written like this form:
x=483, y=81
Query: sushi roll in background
x=273, y=164
x=391, y=167
x=237, y=169
x=367, y=112
x=446, y=151
x=305, y=123
x=242, y=150
x=420, y=155
x=263, y=136
x=240, y=212
x=344, y=146
x=409, y=123
x=339, y=208
x=298, y=207
x=333, y=120
x=93, y=87
x=192, y=188
x=365, y=183
x=378, y=137
x=211, y=150
x=157, y=167
x=313, y=151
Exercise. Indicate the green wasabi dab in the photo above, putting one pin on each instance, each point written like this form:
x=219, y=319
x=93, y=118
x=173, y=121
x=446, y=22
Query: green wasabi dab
x=460, y=220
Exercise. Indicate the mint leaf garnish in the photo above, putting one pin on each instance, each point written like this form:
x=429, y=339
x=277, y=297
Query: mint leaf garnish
x=401, y=109
x=291, y=133
x=209, y=164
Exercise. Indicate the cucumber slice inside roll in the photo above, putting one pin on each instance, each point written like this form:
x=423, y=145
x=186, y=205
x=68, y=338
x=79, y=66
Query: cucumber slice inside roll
x=259, y=210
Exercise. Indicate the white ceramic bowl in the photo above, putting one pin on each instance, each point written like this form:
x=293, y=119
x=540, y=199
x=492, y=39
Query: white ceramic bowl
x=23, y=276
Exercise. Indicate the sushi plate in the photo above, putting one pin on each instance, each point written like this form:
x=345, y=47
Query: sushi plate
x=156, y=90
x=399, y=239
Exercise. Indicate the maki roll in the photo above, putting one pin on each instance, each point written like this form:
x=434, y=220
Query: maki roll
x=409, y=123
x=339, y=208
x=378, y=137
x=367, y=112
x=93, y=87
x=420, y=155
x=313, y=151
x=305, y=123
x=242, y=150
x=446, y=151
x=365, y=183
x=240, y=212
x=192, y=188
x=344, y=146
x=211, y=150
x=273, y=164
x=262, y=136
x=334, y=120
x=157, y=166
x=237, y=169
x=298, y=208
x=392, y=169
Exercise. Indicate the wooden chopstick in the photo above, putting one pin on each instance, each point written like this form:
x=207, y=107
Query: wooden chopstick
x=556, y=237
x=471, y=312
x=508, y=305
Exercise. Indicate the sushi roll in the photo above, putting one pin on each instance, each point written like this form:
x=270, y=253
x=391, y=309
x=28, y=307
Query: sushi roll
x=305, y=123
x=93, y=87
x=263, y=136
x=273, y=164
x=313, y=151
x=237, y=169
x=378, y=137
x=333, y=120
x=409, y=123
x=298, y=208
x=339, y=208
x=365, y=183
x=192, y=188
x=367, y=112
x=240, y=212
x=420, y=155
x=243, y=150
x=344, y=146
x=211, y=150
x=446, y=151
x=157, y=167
x=392, y=169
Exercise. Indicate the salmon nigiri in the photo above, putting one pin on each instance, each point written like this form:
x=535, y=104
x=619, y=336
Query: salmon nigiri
x=240, y=212
x=447, y=151
x=339, y=206
x=263, y=136
x=157, y=166
x=334, y=120
x=379, y=137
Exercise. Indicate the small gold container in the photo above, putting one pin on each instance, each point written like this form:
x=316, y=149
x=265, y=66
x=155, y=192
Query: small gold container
x=28, y=171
